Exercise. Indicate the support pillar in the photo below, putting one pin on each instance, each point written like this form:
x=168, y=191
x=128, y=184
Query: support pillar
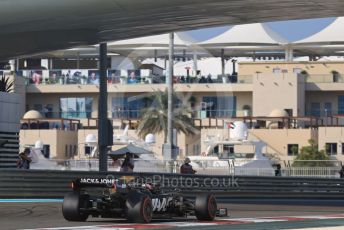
x=223, y=63
x=168, y=146
x=12, y=65
x=78, y=61
x=286, y=55
x=291, y=54
x=102, y=108
x=17, y=64
x=50, y=63
x=195, y=66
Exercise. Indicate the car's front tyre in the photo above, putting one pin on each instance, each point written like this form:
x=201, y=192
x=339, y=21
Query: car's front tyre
x=205, y=207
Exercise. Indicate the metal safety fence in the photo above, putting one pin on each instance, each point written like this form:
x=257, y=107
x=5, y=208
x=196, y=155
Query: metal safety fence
x=55, y=184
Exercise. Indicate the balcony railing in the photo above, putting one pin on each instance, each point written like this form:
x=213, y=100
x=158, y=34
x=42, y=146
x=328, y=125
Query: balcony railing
x=51, y=123
x=325, y=78
x=136, y=114
x=324, y=112
x=81, y=80
x=132, y=118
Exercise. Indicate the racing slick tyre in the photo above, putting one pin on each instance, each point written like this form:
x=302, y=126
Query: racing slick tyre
x=139, y=208
x=205, y=207
x=72, y=203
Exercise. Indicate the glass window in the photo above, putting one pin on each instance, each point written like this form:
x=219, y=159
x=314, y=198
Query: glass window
x=315, y=109
x=119, y=107
x=135, y=104
x=88, y=150
x=328, y=108
x=76, y=107
x=70, y=151
x=331, y=148
x=276, y=70
x=71, y=107
x=128, y=107
x=75, y=149
x=293, y=149
x=219, y=107
x=88, y=107
x=341, y=105
x=38, y=107
x=297, y=70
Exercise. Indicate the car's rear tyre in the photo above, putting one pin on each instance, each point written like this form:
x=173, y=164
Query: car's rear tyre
x=72, y=203
x=205, y=207
x=139, y=208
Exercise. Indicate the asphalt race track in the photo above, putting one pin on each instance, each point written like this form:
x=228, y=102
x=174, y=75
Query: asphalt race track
x=252, y=215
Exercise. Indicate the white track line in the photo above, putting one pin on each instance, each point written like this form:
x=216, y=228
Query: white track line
x=193, y=223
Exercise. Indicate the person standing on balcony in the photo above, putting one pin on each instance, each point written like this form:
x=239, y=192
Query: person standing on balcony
x=24, y=159
x=128, y=163
x=186, y=168
x=341, y=172
x=278, y=171
x=46, y=111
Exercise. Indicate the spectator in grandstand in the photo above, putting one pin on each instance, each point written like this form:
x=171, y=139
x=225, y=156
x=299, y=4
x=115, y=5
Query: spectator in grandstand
x=209, y=80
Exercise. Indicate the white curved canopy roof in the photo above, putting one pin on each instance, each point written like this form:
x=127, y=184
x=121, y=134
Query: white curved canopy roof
x=161, y=40
x=332, y=34
x=249, y=34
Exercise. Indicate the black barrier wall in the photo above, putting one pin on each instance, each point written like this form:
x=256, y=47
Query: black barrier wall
x=55, y=184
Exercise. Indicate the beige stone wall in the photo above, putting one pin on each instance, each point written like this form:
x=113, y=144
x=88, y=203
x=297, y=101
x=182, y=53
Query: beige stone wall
x=278, y=139
x=57, y=139
x=278, y=92
x=135, y=88
x=332, y=135
x=312, y=68
x=243, y=99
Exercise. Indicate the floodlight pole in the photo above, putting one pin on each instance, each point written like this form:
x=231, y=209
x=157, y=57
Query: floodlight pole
x=102, y=108
x=170, y=95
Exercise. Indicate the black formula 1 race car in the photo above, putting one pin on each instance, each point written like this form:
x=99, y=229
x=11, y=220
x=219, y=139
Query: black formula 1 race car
x=136, y=201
